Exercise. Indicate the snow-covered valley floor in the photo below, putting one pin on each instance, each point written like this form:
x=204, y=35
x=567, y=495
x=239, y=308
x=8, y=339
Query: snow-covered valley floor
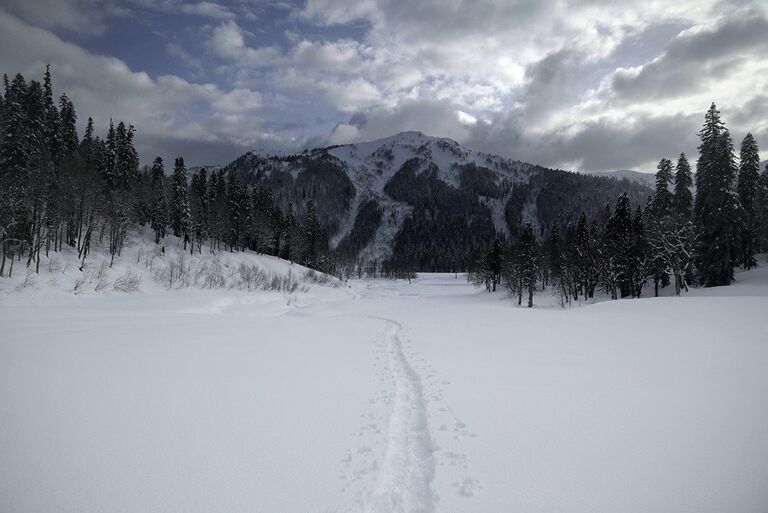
x=384, y=397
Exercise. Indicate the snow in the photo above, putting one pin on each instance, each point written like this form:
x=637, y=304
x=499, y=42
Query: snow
x=496, y=206
x=371, y=165
x=380, y=396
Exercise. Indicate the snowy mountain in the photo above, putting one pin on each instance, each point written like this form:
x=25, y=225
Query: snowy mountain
x=425, y=200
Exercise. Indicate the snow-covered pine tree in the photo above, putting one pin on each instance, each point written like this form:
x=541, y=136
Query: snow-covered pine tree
x=180, y=216
x=717, y=210
x=39, y=172
x=289, y=235
x=126, y=157
x=494, y=259
x=762, y=209
x=87, y=144
x=662, y=197
x=747, y=188
x=218, y=215
x=312, y=236
x=585, y=258
x=121, y=168
x=14, y=170
x=68, y=130
x=159, y=216
x=52, y=121
x=553, y=255
x=262, y=224
x=198, y=204
x=89, y=187
x=639, y=260
x=69, y=162
x=236, y=210
x=656, y=227
x=107, y=164
x=488, y=265
x=620, y=249
x=528, y=256
x=683, y=198
x=52, y=154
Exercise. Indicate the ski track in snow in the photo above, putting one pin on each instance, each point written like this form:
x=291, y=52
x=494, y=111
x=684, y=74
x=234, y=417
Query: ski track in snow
x=404, y=482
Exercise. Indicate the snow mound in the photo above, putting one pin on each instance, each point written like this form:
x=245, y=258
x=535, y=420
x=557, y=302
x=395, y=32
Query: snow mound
x=146, y=267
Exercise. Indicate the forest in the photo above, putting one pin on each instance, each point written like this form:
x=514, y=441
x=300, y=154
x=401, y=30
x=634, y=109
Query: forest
x=57, y=188
x=677, y=238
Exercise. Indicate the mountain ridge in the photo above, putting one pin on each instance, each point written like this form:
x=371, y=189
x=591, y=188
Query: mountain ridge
x=380, y=200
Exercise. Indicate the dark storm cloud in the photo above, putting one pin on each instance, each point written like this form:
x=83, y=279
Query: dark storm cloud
x=595, y=145
x=551, y=81
x=692, y=59
x=433, y=117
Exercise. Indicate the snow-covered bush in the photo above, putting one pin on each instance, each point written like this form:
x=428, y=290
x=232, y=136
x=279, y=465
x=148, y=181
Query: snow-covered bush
x=129, y=282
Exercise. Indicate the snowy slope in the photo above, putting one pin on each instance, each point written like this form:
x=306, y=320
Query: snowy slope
x=371, y=165
x=384, y=397
x=450, y=180
x=147, y=268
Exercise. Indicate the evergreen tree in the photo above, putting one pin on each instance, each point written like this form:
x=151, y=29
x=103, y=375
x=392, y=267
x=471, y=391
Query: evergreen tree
x=236, y=210
x=126, y=159
x=748, y=189
x=107, y=164
x=657, y=225
x=639, y=261
x=68, y=131
x=87, y=144
x=683, y=198
x=14, y=151
x=180, y=215
x=554, y=254
x=528, y=263
x=289, y=235
x=314, y=244
x=218, y=210
x=662, y=198
x=198, y=201
x=620, y=248
x=489, y=268
x=51, y=126
x=585, y=258
x=159, y=216
x=495, y=258
x=717, y=209
x=263, y=222
x=762, y=209
x=41, y=178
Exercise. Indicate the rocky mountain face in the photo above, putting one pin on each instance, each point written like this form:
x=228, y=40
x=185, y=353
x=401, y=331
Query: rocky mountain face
x=425, y=203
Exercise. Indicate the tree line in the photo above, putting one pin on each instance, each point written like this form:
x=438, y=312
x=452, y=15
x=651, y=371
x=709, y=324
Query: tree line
x=676, y=238
x=58, y=189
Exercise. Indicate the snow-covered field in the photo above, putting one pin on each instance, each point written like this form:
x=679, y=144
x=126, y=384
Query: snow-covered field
x=381, y=396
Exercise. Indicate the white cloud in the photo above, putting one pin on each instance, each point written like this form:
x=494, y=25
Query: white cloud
x=169, y=112
x=81, y=16
x=542, y=80
x=208, y=9
x=228, y=41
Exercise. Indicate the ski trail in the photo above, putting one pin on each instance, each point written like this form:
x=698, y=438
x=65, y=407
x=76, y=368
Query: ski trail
x=408, y=467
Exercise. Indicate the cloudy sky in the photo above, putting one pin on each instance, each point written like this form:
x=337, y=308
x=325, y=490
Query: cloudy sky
x=578, y=84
